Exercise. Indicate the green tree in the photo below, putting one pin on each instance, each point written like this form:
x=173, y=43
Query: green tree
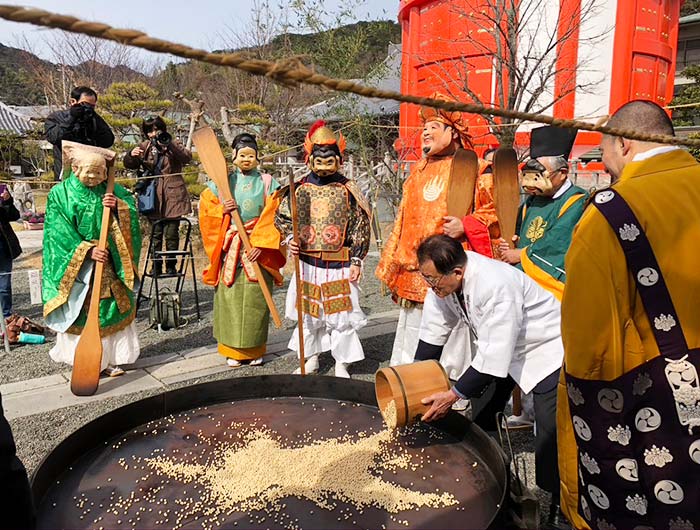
x=124, y=105
x=688, y=95
x=169, y=80
x=690, y=7
x=10, y=152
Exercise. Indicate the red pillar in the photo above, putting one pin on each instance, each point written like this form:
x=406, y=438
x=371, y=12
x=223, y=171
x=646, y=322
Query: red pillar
x=567, y=58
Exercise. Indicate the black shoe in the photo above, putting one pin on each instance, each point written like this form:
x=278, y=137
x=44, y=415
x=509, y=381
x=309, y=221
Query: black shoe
x=556, y=519
x=156, y=271
x=170, y=271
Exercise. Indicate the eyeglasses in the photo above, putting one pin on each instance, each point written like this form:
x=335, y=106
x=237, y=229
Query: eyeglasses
x=432, y=282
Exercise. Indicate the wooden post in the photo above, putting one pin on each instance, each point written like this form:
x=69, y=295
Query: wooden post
x=297, y=270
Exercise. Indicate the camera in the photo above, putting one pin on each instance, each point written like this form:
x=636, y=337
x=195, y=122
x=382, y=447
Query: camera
x=85, y=112
x=164, y=138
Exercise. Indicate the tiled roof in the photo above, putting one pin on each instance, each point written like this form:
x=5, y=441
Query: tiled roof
x=12, y=121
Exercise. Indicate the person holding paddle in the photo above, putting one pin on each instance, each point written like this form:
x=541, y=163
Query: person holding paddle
x=449, y=176
x=545, y=221
x=241, y=316
x=333, y=218
x=548, y=216
x=72, y=228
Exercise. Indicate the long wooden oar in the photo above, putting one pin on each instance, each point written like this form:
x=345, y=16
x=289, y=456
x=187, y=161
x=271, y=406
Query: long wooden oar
x=463, y=175
x=506, y=191
x=297, y=271
x=88, y=354
x=507, y=201
x=214, y=163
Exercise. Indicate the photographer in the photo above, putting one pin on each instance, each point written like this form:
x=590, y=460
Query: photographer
x=79, y=123
x=9, y=248
x=159, y=156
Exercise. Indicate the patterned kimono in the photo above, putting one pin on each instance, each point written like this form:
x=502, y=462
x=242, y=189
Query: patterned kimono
x=629, y=400
x=333, y=215
x=72, y=229
x=546, y=225
x=241, y=315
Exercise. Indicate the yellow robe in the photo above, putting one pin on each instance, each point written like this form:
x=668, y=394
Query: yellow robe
x=605, y=330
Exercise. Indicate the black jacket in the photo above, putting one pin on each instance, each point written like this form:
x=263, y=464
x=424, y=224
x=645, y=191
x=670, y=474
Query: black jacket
x=16, y=503
x=8, y=212
x=60, y=126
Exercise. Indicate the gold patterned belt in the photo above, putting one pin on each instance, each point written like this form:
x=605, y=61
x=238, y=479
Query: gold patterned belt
x=335, y=297
x=341, y=255
x=405, y=303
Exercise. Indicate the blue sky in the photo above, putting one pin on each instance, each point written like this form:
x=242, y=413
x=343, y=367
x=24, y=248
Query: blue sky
x=179, y=21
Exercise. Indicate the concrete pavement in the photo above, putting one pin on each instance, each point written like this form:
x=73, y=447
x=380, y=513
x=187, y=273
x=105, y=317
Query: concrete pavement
x=45, y=394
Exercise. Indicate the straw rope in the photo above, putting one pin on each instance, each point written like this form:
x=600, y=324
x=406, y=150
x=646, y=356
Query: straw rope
x=292, y=72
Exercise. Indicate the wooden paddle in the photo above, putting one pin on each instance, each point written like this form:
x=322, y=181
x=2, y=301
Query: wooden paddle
x=463, y=175
x=507, y=200
x=88, y=353
x=214, y=163
x=506, y=191
x=297, y=271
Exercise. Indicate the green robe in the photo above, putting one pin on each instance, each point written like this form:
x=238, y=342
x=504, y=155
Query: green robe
x=545, y=227
x=241, y=315
x=72, y=229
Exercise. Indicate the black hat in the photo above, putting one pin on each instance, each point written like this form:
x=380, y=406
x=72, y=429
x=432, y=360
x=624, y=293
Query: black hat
x=551, y=141
x=244, y=140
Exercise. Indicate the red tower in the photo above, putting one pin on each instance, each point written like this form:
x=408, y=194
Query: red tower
x=449, y=46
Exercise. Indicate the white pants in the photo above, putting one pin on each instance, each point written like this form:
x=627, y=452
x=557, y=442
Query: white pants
x=336, y=332
x=456, y=355
x=118, y=348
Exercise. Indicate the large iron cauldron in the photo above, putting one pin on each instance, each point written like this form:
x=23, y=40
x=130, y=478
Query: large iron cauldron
x=78, y=484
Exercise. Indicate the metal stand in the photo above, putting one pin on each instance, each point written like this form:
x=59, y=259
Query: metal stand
x=185, y=262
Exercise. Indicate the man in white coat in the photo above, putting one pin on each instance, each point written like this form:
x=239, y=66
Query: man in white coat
x=517, y=338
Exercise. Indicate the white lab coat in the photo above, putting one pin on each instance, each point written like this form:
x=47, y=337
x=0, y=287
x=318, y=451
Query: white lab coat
x=515, y=322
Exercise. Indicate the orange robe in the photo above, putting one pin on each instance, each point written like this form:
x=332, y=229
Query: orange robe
x=213, y=226
x=423, y=206
x=238, y=304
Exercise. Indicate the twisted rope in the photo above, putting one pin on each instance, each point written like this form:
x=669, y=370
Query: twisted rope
x=292, y=72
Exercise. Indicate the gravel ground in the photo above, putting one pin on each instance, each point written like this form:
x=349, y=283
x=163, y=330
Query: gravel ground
x=27, y=361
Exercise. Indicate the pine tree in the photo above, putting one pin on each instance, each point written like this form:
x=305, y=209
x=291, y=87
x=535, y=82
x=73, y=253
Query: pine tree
x=125, y=105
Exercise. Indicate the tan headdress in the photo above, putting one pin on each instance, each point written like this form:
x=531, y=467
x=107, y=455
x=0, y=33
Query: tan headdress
x=87, y=162
x=454, y=119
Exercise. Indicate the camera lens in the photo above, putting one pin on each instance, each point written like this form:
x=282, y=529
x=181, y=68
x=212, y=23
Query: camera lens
x=87, y=110
x=164, y=138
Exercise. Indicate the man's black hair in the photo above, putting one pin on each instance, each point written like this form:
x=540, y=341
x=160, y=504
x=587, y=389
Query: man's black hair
x=642, y=116
x=152, y=123
x=78, y=91
x=445, y=252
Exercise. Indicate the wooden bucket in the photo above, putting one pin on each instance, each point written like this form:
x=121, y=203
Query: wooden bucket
x=407, y=385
